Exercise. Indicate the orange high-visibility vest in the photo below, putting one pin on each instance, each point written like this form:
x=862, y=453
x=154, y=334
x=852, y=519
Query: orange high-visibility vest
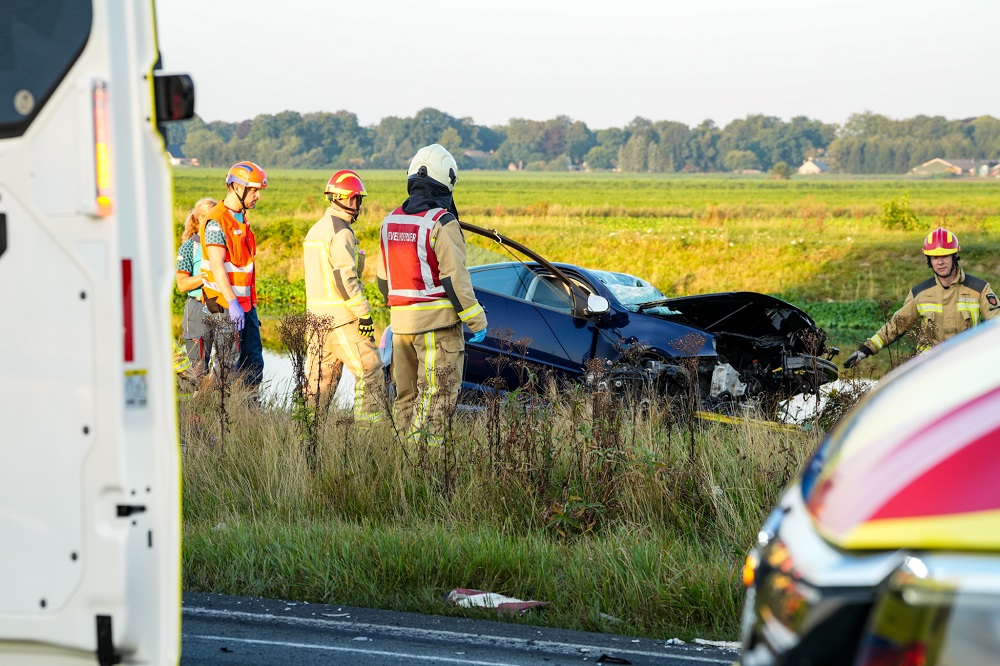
x=241, y=247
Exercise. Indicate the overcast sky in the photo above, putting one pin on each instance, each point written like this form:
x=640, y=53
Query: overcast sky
x=600, y=61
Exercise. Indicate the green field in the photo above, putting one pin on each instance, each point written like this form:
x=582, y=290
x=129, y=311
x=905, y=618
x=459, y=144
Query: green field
x=810, y=240
x=819, y=242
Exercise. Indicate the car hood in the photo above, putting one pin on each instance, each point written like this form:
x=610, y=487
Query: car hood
x=744, y=312
x=916, y=464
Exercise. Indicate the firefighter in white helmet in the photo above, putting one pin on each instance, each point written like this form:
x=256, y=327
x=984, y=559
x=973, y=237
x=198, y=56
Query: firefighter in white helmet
x=946, y=304
x=422, y=273
x=334, y=265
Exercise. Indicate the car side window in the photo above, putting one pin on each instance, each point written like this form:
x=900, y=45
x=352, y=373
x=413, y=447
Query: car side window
x=549, y=292
x=510, y=280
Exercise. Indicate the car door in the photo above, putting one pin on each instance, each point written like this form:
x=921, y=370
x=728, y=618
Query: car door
x=515, y=327
x=90, y=494
x=573, y=336
x=533, y=326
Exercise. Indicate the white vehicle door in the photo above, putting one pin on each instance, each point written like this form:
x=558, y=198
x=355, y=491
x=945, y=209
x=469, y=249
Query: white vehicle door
x=89, y=460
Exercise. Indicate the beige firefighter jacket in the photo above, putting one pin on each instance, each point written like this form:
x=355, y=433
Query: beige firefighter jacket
x=334, y=266
x=944, y=311
x=449, y=250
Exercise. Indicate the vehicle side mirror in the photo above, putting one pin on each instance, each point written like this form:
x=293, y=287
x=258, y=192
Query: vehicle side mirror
x=174, y=97
x=597, y=305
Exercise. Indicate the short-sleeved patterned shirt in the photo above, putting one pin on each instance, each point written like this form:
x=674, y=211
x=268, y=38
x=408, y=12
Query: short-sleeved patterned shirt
x=214, y=234
x=185, y=255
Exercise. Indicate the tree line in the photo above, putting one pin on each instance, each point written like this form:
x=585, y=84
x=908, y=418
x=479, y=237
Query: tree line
x=867, y=143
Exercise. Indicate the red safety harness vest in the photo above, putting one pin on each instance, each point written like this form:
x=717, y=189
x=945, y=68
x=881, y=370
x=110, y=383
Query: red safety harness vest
x=411, y=268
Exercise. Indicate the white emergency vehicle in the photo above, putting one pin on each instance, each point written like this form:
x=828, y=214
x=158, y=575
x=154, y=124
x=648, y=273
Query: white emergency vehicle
x=89, y=463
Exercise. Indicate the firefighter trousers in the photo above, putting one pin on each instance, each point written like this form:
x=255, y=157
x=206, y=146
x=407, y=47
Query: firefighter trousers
x=360, y=356
x=427, y=369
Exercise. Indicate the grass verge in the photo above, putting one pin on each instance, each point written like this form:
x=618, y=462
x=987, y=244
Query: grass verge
x=620, y=521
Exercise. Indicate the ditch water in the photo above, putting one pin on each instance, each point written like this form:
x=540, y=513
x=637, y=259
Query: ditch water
x=278, y=381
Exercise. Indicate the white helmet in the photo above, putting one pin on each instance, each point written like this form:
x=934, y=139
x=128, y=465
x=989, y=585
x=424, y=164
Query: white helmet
x=436, y=163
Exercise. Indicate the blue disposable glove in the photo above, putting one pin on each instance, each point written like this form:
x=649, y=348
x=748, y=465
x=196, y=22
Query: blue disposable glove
x=478, y=337
x=236, y=314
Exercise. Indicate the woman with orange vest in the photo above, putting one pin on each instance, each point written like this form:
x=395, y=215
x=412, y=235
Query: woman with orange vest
x=333, y=267
x=422, y=273
x=946, y=304
x=230, y=284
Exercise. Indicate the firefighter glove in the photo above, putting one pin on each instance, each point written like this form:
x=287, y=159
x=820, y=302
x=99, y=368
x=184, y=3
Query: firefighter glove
x=236, y=314
x=856, y=357
x=366, y=327
x=478, y=337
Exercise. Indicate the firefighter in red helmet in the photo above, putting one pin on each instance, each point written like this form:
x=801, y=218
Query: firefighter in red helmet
x=946, y=304
x=334, y=265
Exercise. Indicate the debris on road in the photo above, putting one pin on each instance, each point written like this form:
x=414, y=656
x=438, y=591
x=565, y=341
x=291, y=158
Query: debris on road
x=461, y=596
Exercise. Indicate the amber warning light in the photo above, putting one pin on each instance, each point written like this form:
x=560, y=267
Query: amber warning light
x=102, y=150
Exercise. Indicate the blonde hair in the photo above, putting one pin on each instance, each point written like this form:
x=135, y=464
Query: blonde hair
x=197, y=216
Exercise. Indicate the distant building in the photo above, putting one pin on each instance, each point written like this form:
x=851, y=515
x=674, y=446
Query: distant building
x=177, y=156
x=813, y=166
x=475, y=159
x=955, y=167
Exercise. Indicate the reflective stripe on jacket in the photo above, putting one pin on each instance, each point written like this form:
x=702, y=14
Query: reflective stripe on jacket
x=333, y=267
x=941, y=311
x=241, y=248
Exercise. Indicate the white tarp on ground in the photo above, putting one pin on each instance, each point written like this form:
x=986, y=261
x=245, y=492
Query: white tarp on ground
x=803, y=408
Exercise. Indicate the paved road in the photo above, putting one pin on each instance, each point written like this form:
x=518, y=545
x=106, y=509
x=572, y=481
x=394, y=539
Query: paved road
x=256, y=632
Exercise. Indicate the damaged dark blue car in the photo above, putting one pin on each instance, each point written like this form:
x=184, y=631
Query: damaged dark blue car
x=730, y=348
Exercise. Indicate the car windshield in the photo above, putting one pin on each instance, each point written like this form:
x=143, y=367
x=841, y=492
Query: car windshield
x=632, y=292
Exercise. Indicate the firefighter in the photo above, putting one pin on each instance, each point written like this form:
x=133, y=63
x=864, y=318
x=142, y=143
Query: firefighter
x=334, y=266
x=422, y=274
x=948, y=303
x=229, y=276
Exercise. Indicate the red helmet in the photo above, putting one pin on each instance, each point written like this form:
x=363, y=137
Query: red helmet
x=247, y=174
x=941, y=242
x=345, y=184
